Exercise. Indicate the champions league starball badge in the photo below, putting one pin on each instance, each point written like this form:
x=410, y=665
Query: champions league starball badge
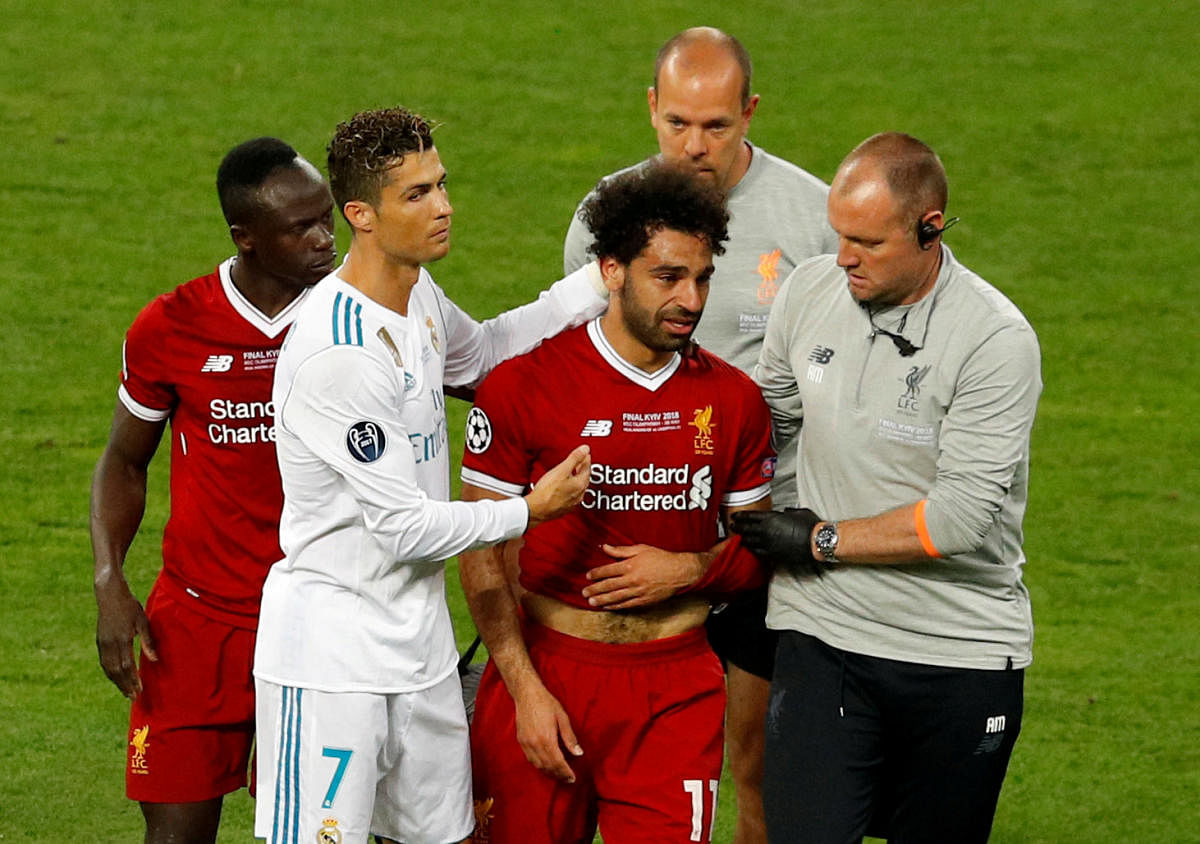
x=366, y=441
x=479, y=431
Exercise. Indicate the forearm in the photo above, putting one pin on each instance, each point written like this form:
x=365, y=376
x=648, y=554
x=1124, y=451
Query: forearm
x=117, y=506
x=476, y=348
x=728, y=567
x=890, y=538
x=494, y=609
x=118, y=502
x=645, y=575
x=119, y=494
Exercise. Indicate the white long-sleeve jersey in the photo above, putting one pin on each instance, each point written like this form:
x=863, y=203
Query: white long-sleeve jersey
x=358, y=602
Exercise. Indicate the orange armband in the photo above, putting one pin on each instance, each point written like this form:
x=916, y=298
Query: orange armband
x=923, y=530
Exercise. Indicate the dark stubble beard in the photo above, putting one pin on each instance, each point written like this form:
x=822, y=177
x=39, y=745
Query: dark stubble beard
x=646, y=326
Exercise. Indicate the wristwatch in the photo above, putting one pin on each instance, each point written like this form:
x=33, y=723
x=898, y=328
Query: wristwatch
x=826, y=541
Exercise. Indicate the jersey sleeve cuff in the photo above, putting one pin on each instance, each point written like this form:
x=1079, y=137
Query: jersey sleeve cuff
x=741, y=498
x=146, y=414
x=491, y=483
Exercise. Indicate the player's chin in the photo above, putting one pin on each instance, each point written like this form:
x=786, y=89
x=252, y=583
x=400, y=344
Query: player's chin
x=440, y=250
x=675, y=342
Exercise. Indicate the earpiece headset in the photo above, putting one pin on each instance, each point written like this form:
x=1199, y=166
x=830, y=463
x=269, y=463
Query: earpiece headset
x=927, y=232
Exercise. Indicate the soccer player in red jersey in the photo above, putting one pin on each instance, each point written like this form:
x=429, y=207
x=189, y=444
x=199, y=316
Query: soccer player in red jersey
x=202, y=358
x=603, y=703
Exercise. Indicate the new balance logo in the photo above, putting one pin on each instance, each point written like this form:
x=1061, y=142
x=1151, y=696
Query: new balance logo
x=597, y=428
x=993, y=736
x=821, y=354
x=217, y=363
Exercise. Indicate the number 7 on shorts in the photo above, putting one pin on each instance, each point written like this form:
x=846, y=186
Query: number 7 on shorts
x=343, y=757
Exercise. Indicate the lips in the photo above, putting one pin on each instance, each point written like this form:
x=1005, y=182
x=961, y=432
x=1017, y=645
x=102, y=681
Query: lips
x=679, y=324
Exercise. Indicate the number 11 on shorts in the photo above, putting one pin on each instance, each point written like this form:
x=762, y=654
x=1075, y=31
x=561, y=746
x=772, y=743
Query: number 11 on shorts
x=696, y=789
x=343, y=757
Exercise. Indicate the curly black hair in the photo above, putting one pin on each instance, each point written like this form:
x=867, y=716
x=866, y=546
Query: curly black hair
x=369, y=144
x=625, y=211
x=243, y=171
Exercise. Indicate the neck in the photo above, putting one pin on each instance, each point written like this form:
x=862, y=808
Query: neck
x=631, y=350
x=745, y=154
x=267, y=293
x=929, y=281
x=385, y=281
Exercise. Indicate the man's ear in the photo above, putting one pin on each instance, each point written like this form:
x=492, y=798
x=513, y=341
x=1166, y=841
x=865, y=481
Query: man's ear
x=360, y=215
x=242, y=238
x=748, y=111
x=613, y=273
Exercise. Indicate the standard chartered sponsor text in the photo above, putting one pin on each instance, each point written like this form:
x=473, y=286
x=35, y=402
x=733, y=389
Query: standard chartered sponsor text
x=252, y=411
x=600, y=495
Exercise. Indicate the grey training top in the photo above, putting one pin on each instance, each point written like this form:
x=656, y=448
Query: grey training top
x=949, y=424
x=777, y=220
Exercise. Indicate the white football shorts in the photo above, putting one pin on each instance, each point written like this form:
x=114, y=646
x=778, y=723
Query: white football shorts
x=338, y=767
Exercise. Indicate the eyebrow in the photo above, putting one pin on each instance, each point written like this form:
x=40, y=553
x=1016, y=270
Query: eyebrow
x=716, y=121
x=425, y=185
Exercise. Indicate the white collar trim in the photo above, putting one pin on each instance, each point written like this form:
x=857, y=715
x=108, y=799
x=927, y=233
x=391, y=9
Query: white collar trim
x=651, y=381
x=270, y=326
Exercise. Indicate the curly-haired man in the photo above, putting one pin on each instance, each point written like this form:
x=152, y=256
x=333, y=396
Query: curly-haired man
x=585, y=716
x=361, y=722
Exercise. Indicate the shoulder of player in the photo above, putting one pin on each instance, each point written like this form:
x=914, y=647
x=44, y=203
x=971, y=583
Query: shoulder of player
x=972, y=300
x=734, y=394
x=815, y=276
x=553, y=360
x=174, y=308
x=339, y=324
x=786, y=177
x=701, y=363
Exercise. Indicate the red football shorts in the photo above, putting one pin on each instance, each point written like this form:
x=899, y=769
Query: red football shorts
x=649, y=717
x=192, y=727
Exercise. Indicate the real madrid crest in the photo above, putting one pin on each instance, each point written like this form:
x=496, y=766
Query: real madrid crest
x=433, y=338
x=329, y=832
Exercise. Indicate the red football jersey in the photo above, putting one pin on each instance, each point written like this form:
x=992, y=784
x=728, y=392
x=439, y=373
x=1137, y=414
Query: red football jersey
x=204, y=357
x=668, y=450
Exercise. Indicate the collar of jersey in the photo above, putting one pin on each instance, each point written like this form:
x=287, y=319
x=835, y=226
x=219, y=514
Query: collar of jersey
x=270, y=326
x=648, y=380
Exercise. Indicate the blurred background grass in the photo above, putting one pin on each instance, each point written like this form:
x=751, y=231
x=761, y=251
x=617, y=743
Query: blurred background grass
x=1069, y=132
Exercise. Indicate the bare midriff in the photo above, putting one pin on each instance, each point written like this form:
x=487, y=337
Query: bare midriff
x=670, y=618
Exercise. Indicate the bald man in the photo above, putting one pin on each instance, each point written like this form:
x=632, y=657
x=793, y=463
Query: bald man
x=906, y=628
x=700, y=108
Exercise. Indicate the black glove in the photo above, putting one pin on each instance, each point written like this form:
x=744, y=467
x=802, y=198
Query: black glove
x=780, y=538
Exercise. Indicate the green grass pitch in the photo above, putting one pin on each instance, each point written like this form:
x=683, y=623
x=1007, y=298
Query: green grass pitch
x=1068, y=128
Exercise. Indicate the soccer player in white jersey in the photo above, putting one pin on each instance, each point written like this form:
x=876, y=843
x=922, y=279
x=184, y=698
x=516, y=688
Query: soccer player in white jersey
x=202, y=358
x=701, y=106
x=360, y=711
